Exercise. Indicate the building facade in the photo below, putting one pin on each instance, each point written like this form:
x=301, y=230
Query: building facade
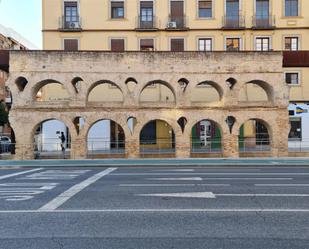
x=188, y=25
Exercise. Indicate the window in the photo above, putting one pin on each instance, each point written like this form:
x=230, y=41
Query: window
x=146, y=14
x=146, y=45
x=177, y=45
x=232, y=44
x=71, y=19
x=296, y=129
x=262, y=43
x=292, y=78
x=149, y=133
x=262, y=9
x=291, y=7
x=291, y=43
x=117, y=9
x=232, y=8
x=117, y=45
x=70, y=44
x=204, y=44
x=204, y=8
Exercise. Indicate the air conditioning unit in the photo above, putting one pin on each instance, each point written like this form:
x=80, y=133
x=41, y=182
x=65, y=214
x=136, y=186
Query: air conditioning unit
x=73, y=25
x=171, y=25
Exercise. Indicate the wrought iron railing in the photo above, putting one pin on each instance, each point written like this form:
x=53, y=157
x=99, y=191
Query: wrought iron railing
x=145, y=22
x=263, y=22
x=233, y=22
x=179, y=22
x=70, y=23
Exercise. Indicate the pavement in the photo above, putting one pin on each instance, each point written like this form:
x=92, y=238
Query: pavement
x=260, y=207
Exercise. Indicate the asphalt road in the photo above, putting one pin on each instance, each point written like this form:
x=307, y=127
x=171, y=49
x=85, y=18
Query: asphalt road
x=157, y=208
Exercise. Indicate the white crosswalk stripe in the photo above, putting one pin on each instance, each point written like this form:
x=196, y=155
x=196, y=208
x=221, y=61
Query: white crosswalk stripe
x=55, y=175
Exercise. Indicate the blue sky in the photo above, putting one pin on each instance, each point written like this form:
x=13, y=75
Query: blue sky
x=24, y=16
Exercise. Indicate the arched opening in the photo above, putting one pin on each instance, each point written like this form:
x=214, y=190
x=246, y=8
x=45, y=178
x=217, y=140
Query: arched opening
x=79, y=123
x=206, y=139
x=157, y=91
x=231, y=82
x=105, y=91
x=254, y=136
x=183, y=83
x=21, y=83
x=50, y=90
x=131, y=84
x=182, y=123
x=106, y=139
x=253, y=93
x=7, y=141
x=52, y=140
x=206, y=91
x=157, y=139
x=131, y=124
x=77, y=84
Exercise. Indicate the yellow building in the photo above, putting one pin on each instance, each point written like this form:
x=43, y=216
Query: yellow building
x=184, y=25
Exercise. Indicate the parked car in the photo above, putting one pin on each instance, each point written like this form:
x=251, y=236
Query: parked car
x=5, y=144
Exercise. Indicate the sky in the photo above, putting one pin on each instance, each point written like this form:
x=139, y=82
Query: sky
x=25, y=17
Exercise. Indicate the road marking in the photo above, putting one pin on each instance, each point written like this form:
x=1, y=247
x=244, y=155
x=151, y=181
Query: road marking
x=170, y=185
x=264, y=195
x=183, y=195
x=176, y=170
x=23, y=191
x=282, y=185
x=65, y=196
x=157, y=211
x=176, y=179
x=226, y=173
x=55, y=175
x=249, y=179
x=19, y=173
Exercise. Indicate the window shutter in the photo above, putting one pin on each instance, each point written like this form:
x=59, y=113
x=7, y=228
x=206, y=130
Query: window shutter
x=205, y=4
x=70, y=4
x=117, y=45
x=117, y=4
x=70, y=44
x=146, y=4
x=177, y=45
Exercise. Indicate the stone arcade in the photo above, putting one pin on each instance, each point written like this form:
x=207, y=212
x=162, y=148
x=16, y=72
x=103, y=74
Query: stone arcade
x=227, y=72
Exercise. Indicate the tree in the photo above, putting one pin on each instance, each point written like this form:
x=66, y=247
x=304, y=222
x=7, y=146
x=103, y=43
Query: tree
x=4, y=115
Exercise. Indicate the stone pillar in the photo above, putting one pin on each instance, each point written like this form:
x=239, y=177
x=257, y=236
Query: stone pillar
x=279, y=146
x=78, y=148
x=183, y=146
x=24, y=152
x=132, y=147
x=230, y=145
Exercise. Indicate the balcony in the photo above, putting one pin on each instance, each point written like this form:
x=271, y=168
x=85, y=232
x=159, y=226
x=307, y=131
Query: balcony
x=233, y=22
x=263, y=22
x=70, y=23
x=177, y=23
x=146, y=23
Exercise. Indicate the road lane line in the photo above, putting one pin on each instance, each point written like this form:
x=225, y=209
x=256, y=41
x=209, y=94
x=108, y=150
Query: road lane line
x=249, y=179
x=19, y=173
x=282, y=185
x=264, y=195
x=65, y=196
x=170, y=185
x=176, y=179
x=215, y=174
x=156, y=211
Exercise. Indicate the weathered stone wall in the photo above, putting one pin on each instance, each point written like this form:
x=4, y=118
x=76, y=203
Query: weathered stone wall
x=40, y=68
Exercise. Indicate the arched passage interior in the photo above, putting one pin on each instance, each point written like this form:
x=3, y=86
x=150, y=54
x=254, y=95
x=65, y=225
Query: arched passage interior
x=157, y=138
x=52, y=139
x=254, y=135
x=206, y=137
x=106, y=138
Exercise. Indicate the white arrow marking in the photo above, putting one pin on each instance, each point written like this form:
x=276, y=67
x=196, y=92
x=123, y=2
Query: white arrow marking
x=183, y=195
x=177, y=179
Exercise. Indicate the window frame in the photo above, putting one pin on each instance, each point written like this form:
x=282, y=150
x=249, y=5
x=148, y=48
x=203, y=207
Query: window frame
x=198, y=10
x=263, y=37
x=292, y=36
x=233, y=37
x=205, y=38
x=117, y=38
x=291, y=16
x=293, y=72
x=71, y=38
x=146, y=38
x=177, y=37
x=111, y=10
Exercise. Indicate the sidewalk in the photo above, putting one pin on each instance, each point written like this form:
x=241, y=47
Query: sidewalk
x=158, y=162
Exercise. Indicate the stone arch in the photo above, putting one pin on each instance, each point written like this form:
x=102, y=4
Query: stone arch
x=46, y=137
x=52, y=95
x=168, y=96
x=157, y=138
x=206, y=88
x=78, y=124
x=131, y=84
x=21, y=83
x=255, y=135
x=231, y=82
x=183, y=83
x=76, y=82
x=105, y=138
x=206, y=137
x=116, y=93
x=256, y=91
